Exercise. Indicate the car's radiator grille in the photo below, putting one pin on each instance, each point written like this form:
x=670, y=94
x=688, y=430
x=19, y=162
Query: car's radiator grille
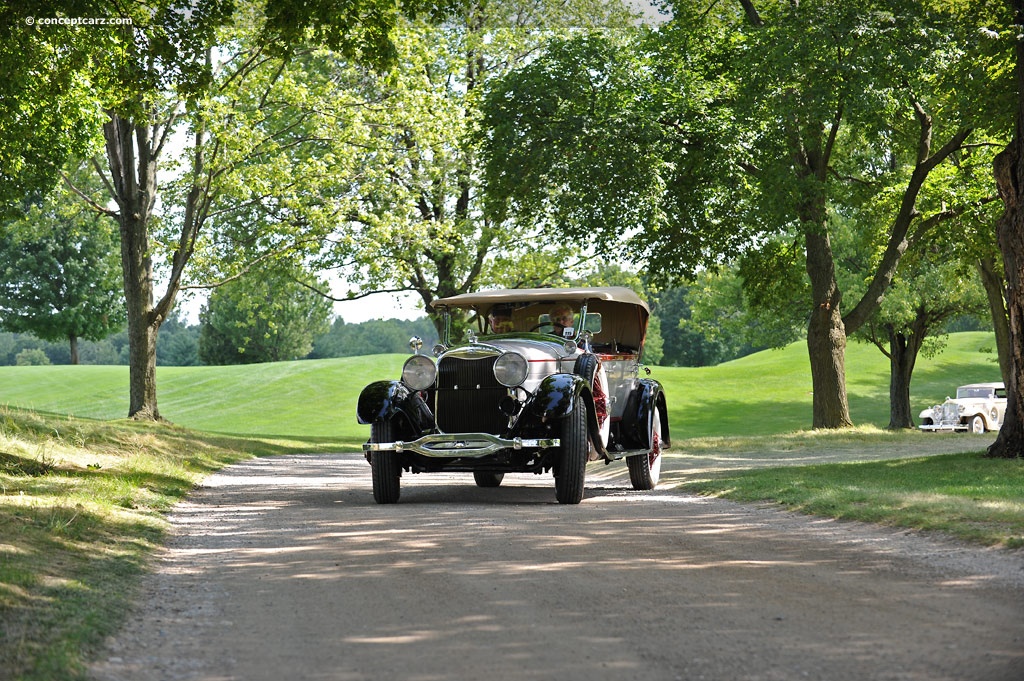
x=468, y=396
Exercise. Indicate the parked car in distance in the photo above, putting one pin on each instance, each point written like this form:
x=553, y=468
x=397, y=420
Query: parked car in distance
x=978, y=407
x=544, y=381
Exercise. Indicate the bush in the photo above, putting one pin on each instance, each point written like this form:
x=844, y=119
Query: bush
x=31, y=357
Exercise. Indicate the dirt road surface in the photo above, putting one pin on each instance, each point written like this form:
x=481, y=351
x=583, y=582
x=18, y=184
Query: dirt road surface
x=285, y=569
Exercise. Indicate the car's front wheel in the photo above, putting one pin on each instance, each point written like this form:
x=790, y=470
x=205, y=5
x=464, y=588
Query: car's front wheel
x=572, y=469
x=645, y=470
x=977, y=424
x=487, y=479
x=385, y=467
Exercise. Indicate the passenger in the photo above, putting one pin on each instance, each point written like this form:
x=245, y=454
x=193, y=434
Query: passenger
x=500, y=320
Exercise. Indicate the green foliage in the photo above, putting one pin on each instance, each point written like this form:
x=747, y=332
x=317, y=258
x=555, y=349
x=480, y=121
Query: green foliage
x=62, y=79
x=372, y=337
x=60, y=272
x=177, y=345
x=269, y=316
x=654, y=344
x=417, y=222
x=605, y=140
x=31, y=357
x=358, y=31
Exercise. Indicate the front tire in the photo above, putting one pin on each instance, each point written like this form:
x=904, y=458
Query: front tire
x=385, y=467
x=572, y=469
x=977, y=424
x=645, y=470
x=487, y=479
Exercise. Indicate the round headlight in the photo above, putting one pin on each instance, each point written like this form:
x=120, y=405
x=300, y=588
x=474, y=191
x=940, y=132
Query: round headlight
x=419, y=372
x=510, y=369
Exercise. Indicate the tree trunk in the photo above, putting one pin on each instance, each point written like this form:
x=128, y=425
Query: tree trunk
x=1009, y=171
x=73, y=345
x=995, y=290
x=826, y=347
x=142, y=325
x=1009, y=174
x=826, y=335
x=903, y=351
x=133, y=178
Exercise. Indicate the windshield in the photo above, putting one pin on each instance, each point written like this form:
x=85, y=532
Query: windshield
x=977, y=393
x=557, y=319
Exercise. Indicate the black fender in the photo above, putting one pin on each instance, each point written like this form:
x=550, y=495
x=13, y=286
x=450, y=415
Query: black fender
x=393, y=401
x=634, y=431
x=382, y=400
x=555, y=398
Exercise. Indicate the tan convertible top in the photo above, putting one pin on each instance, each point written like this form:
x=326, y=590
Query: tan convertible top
x=618, y=294
x=625, y=314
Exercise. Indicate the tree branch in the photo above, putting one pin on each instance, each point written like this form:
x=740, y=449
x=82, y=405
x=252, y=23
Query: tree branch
x=82, y=195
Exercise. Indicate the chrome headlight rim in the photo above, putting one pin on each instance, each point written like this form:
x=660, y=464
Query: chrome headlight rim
x=419, y=372
x=511, y=369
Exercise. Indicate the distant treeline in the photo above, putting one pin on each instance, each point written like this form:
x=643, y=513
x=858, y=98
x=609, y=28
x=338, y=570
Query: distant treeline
x=669, y=343
x=178, y=343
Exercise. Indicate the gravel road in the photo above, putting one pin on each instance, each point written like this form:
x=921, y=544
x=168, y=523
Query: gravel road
x=285, y=569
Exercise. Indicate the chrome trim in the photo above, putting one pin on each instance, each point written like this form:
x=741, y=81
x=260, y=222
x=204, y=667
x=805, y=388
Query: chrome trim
x=460, y=444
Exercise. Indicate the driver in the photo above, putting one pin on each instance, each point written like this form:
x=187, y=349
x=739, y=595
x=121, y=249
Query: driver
x=561, y=317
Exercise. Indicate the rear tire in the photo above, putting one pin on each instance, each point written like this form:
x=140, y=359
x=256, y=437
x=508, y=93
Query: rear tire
x=385, y=467
x=645, y=470
x=572, y=469
x=487, y=479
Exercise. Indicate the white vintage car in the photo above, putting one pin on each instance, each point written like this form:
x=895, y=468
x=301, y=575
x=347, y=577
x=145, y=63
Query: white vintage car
x=978, y=407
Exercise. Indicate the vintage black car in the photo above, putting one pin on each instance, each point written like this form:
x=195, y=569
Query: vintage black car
x=548, y=380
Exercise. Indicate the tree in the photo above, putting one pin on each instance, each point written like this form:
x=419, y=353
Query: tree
x=929, y=291
x=31, y=357
x=373, y=337
x=47, y=114
x=146, y=75
x=418, y=224
x=728, y=128
x=1009, y=176
x=178, y=343
x=59, y=273
x=264, y=317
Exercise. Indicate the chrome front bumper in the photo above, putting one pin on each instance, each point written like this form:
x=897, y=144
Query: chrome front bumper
x=945, y=426
x=468, y=445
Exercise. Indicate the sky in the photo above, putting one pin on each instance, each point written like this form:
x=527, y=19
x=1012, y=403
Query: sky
x=380, y=306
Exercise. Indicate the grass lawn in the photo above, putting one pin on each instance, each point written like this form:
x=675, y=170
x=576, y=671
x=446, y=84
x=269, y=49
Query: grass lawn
x=82, y=507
